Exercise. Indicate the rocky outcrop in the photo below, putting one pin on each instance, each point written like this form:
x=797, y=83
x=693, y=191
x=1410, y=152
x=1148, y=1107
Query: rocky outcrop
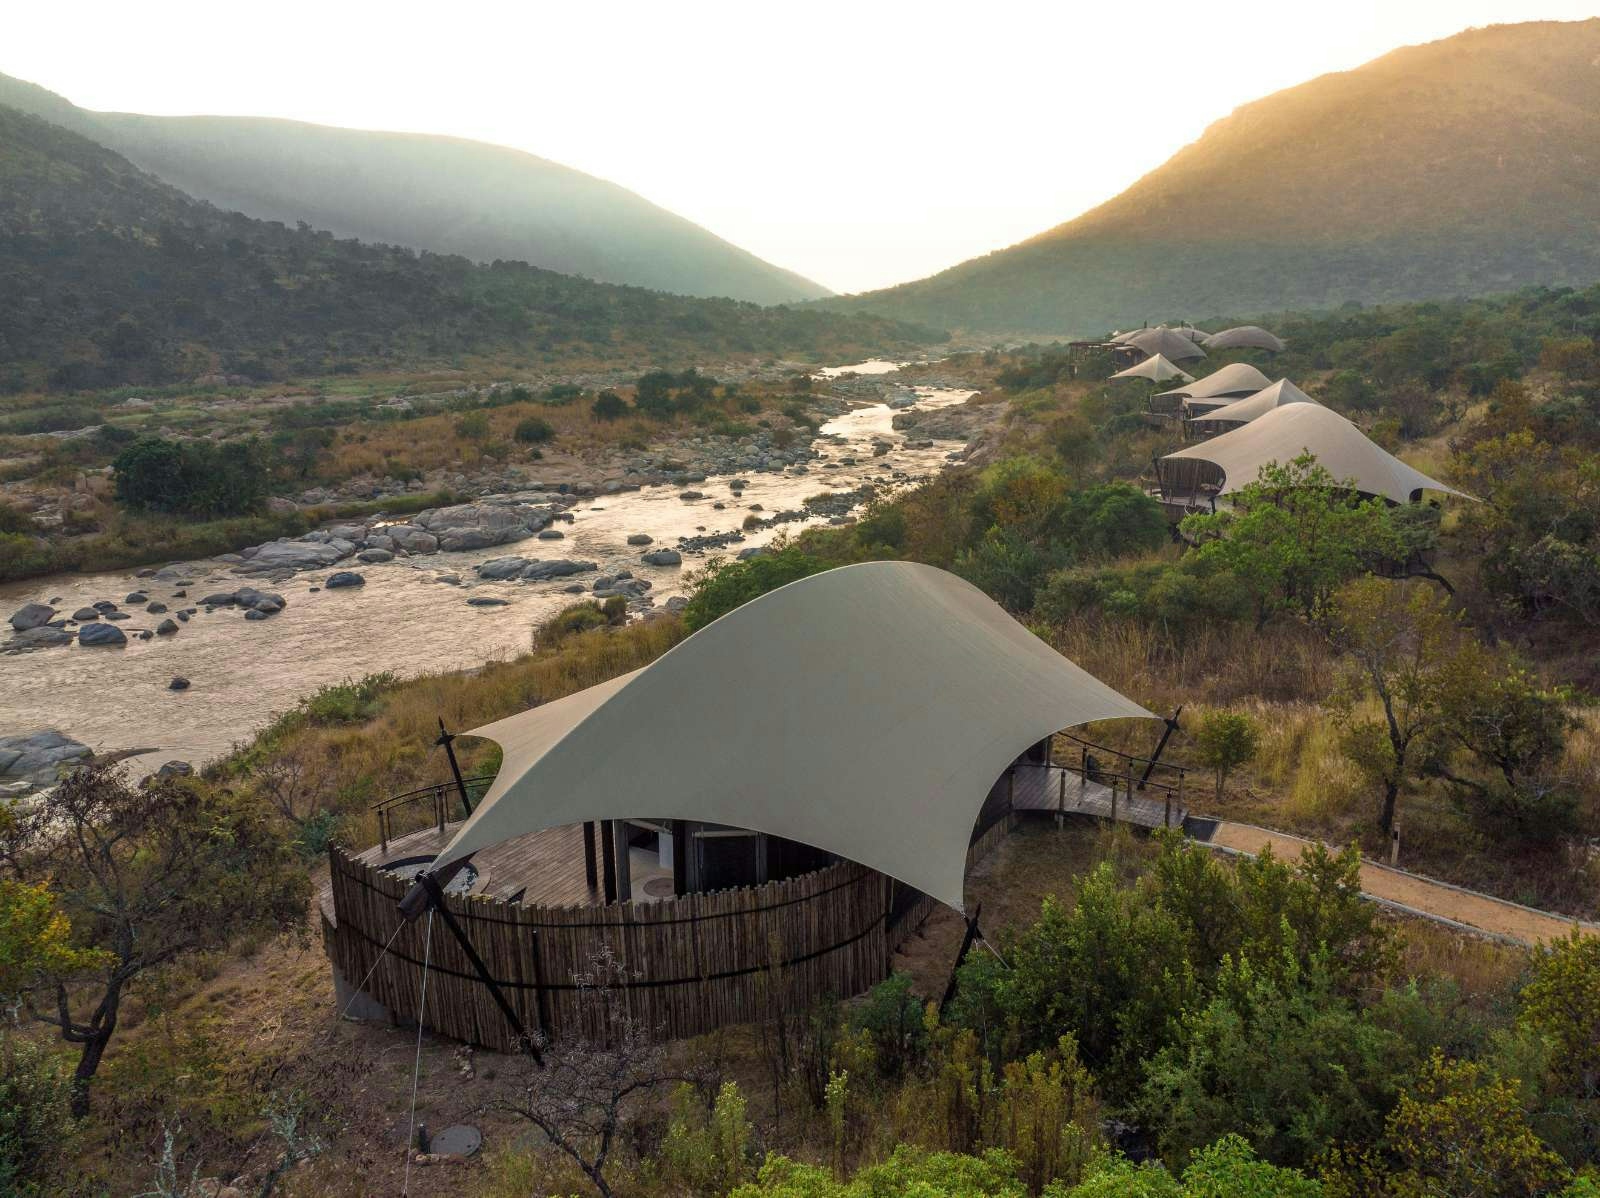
x=484, y=525
x=662, y=557
x=38, y=760
x=32, y=615
x=345, y=578
x=46, y=636
x=503, y=569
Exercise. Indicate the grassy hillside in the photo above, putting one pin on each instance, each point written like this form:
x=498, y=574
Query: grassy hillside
x=443, y=194
x=1459, y=167
x=109, y=276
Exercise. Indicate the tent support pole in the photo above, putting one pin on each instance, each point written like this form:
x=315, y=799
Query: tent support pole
x=589, y=870
x=1171, y=727
x=436, y=899
x=973, y=932
x=608, y=862
x=447, y=739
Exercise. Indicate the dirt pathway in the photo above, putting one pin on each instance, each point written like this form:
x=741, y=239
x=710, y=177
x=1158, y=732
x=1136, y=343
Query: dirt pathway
x=1417, y=894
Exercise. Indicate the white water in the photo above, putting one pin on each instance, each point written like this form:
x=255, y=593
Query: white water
x=402, y=620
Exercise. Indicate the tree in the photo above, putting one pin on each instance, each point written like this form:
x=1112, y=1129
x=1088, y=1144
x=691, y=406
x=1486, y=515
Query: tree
x=191, y=478
x=1224, y=741
x=1561, y=1004
x=36, y=939
x=1459, y=1131
x=609, y=406
x=1294, y=535
x=146, y=877
x=724, y=585
x=577, y=1098
x=1403, y=645
x=35, y=1126
x=474, y=426
x=534, y=430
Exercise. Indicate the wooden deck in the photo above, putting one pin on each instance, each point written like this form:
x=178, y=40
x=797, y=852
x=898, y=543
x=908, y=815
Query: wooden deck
x=546, y=867
x=1064, y=791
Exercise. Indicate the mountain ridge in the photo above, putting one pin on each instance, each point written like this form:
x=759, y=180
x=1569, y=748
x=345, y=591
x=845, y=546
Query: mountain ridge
x=427, y=191
x=1460, y=166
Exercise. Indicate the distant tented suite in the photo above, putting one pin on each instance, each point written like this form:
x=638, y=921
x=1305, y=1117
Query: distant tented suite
x=1195, y=477
x=808, y=772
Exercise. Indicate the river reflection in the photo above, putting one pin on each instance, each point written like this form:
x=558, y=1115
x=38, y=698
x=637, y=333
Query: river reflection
x=403, y=620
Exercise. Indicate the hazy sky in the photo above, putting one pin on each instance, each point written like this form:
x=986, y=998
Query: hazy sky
x=858, y=143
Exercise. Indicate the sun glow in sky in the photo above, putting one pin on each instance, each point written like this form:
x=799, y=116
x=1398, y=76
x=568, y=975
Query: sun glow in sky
x=860, y=144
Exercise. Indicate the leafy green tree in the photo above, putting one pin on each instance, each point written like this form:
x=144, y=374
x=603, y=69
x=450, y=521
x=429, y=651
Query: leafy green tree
x=1458, y=1131
x=474, y=426
x=35, y=1125
x=1280, y=1057
x=724, y=585
x=1224, y=741
x=1561, y=1004
x=146, y=878
x=191, y=478
x=1294, y=535
x=1404, y=647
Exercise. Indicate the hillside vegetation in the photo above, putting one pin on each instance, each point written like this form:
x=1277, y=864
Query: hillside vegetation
x=448, y=195
x=109, y=276
x=1460, y=167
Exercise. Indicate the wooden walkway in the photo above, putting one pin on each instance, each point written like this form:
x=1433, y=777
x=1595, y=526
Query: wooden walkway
x=541, y=869
x=1066, y=792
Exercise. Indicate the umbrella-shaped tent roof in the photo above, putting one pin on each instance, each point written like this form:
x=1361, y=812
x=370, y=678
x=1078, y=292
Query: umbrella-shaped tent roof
x=1198, y=336
x=1243, y=411
x=1245, y=336
x=1283, y=434
x=1169, y=343
x=1157, y=369
x=1233, y=381
x=865, y=711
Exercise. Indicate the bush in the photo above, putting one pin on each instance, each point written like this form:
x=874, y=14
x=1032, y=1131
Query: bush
x=346, y=702
x=724, y=585
x=35, y=1124
x=570, y=621
x=191, y=478
x=474, y=426
x=535, y=430
x=892, y=1016
x=608, y=406
x=1224, y=741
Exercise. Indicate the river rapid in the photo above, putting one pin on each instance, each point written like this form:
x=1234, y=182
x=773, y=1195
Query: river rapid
x=403, y=620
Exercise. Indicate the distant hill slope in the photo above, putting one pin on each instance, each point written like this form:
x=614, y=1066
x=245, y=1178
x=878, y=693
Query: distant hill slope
x=110, y=276
x=444, y=194
x=1463, y=166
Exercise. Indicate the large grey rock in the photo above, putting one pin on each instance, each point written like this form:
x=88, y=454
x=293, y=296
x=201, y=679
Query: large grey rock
x=640, y=538
x=412, y=539
x=155, y=607
x=101, y=634
x=167, y=627
x=218, y=599
x=42, y=637
x=374, y=556
x=175, y=769
x=345, y=578
x=32, y=615
x=556, y=568
x=296, y=555
x=499, y=569
x=483, y=525
x=40, y=758
x=178, y=683
x=486, y=601
x=86, y=613
x=663, y=557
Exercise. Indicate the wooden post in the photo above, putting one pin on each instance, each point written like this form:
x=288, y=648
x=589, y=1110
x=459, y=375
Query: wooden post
x=1113, y=797
x=1061, y=799
x=966, y=946
x=589, y=870
x=608, y=861
x=383, y=830
x=1166, y=815
x=619, y=829
x=438, y=809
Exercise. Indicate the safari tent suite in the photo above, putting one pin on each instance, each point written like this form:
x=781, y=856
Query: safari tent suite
x=1220, y=387
x=1245, y=336
x=806, y=776
x=1169, y=343
x=1155, y=369
x=1243, y=411
x=1194, y=478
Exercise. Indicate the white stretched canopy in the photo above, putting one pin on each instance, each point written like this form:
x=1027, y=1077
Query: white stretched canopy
x=1285, y=433
x=1172, y=345
x=1233, y=381
x=1243, y=411
x=1156, y=369
x=865, y=711
x=1245, y=336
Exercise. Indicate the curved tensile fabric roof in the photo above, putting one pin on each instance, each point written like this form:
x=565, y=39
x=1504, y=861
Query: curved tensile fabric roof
x=1251, y=407
x=1245, y=336
x=1285, y=433
x=1193, y=334
x=1233, y=381
x=1157, y=369
x=865, y=711
x=1169, y=343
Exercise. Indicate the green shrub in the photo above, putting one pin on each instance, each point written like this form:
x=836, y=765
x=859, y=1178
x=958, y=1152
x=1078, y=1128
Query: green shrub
x=570, y=621
x=191, y=478
x=1224, y=741
x=892, y=1015
x=535, y=430
x=35, y=1124
x=724, y=585
x=608, y=405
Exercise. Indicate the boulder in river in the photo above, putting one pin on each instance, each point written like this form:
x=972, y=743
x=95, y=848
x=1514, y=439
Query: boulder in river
x=663, y=557
x=640, y=538
x=104, y=605
x=167, y=627
x=412, y=539
x=84, y=614
x=551, y=534
x=483, y=525
x=374, y=556
x=345, y=578
x=43, y=637
x=134, y=597
x=498, y=569
x=556, y=568
x=257, y=614
x=486, y=601
x=295, y=555
x=40, y=758
x=101, y=634
x=175, y=769
x=178, y=683
x=32, y=615
x=155, y=607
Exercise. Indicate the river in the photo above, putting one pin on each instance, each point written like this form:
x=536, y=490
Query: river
x=403, y=620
